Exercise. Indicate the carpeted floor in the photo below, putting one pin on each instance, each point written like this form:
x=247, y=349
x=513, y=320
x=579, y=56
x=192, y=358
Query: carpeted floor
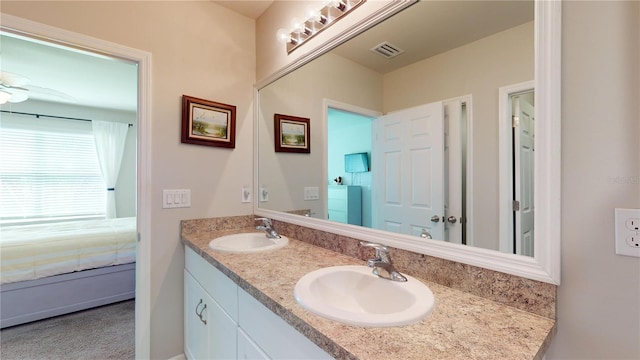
x=102, y=333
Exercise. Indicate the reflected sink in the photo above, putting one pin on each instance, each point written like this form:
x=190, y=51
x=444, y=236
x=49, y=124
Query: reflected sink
x=354, y=296
x=247, y=243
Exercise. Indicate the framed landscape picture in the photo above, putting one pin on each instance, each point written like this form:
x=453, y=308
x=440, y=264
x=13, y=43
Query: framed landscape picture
x=209, y=123
x=292, y=134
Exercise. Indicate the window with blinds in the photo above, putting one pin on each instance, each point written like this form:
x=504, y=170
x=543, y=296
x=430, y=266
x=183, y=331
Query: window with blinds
x=48, y=171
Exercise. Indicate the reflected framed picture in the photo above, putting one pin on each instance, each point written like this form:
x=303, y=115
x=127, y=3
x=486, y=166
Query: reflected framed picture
x=292, y=134
x=209, y=123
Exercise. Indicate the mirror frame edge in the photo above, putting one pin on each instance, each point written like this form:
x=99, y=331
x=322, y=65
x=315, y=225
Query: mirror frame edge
x=545, y=265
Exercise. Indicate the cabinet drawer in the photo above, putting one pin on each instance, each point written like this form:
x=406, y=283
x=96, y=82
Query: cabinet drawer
x=337, y=194
x=219, y=286
x=339, y=216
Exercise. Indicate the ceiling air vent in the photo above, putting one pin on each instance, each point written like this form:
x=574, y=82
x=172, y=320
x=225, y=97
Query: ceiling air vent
x=387, y=49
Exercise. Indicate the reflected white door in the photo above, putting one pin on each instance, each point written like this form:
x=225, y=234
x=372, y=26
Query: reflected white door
x=524, y=137
x=407, y=160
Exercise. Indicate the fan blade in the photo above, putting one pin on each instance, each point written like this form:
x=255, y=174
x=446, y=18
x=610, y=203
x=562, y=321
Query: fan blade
x=49, y=94
x=17, y=94
x=13, y=80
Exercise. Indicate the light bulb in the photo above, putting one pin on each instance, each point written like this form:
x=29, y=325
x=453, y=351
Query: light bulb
x=283, y=36
x=315, y=15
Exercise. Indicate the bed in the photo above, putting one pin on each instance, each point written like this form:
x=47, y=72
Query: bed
x=53, y=269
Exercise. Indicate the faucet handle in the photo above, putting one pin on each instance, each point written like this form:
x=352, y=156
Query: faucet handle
x=381, y=250
x=265, y=221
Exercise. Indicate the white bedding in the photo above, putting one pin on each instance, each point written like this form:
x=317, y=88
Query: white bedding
x=34, y=251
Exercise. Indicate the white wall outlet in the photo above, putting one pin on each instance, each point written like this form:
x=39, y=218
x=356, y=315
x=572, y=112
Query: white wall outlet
x=245, y=195
x=180, y=198
x=627, y=229
x=264, y=194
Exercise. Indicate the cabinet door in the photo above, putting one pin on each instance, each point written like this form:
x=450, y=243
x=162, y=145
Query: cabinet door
x=209, y=333
x=223, y=333
x=196, y=331
x=247, y=349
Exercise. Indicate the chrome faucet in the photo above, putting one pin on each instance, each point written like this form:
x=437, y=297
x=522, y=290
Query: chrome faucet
x=383, y=262
x=267, y=226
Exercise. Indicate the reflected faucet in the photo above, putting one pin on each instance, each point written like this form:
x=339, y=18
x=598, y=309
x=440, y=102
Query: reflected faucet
x=425, y=234
x=383, y=262
x=267, y=226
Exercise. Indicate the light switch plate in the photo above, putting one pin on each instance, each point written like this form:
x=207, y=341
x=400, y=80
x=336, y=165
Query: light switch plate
x=176, y=198
x=311, y=193
x=627, y=232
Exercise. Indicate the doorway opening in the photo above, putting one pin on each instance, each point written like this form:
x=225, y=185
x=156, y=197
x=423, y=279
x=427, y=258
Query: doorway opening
x=141, y=60
x=516, y=167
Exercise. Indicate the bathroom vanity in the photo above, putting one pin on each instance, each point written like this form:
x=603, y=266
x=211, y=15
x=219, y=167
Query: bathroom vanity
x=250, y=302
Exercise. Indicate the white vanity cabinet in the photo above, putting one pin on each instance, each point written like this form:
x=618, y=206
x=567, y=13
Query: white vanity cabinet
x=344, y=203
x=234, y=325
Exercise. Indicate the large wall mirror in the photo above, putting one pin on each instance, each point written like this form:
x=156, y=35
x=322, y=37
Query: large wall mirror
x=433, y=127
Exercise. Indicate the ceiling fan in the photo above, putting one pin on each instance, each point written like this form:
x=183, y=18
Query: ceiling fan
x=16, y=88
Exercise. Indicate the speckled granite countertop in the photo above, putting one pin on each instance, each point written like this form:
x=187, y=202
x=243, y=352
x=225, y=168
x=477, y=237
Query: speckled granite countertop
x=462, y=326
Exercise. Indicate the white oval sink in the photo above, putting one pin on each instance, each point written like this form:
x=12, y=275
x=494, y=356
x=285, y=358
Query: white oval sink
x=247, y=243
x=354, y=296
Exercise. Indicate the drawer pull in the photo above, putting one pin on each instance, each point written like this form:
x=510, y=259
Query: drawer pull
x=204, y=307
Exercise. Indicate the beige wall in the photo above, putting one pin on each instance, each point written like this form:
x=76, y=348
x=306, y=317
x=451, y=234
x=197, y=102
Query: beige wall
x=599, y=297
x=198, y=49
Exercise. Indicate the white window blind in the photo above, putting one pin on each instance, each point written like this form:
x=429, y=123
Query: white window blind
x=48, y=171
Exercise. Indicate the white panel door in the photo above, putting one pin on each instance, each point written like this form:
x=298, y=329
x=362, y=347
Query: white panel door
x=408, y=168
x=524, y=174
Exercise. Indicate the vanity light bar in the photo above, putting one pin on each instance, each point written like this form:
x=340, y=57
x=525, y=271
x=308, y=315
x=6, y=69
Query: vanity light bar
x=321, y=20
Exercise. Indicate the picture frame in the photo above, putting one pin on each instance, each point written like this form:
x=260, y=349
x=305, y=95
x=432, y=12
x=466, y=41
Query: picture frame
x=292, y=134
x=209, y=123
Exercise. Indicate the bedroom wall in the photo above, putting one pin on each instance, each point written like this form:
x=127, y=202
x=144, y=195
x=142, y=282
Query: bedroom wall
x=199, y=49
x=126, y=185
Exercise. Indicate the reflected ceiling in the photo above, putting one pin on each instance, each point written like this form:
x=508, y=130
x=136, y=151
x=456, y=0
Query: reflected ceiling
x=430, y=24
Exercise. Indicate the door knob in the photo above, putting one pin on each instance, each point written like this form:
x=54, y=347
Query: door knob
x=435, y=218
x=452, y=219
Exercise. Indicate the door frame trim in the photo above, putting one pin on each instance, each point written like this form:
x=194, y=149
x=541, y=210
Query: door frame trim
x=47, y=33
x=505, y=167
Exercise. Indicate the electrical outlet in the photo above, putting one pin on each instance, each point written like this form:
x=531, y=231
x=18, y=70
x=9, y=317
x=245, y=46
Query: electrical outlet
x=632, y=224
x=264, y=194
x=245, y=195
x=633, y=241
x=627, y=232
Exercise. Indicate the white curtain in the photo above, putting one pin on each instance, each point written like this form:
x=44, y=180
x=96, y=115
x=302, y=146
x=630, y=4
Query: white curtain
x=110, y=138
